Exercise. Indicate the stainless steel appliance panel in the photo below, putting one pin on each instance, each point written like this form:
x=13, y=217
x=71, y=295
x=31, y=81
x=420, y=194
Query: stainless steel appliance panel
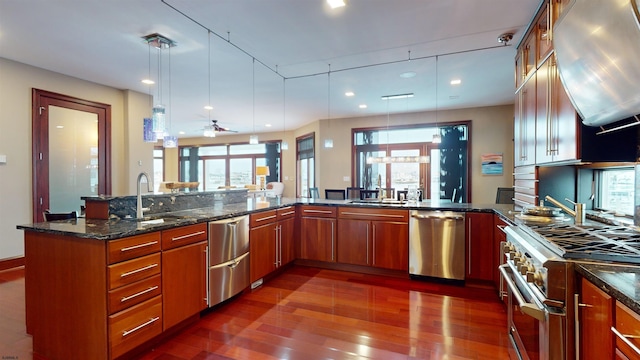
x=437, y=244
x=228, y=239
x=228, y=279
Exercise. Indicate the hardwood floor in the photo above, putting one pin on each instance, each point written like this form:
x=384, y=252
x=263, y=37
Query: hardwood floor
x=309, y=313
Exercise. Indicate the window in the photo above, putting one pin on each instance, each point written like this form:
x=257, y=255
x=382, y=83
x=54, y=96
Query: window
x=450, y=156
x=616, y=190
x=305, y=164
x=158, y=167
x=216, y=166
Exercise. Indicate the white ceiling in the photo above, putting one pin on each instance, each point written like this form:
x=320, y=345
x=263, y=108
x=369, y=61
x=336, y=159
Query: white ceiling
x=100, y=41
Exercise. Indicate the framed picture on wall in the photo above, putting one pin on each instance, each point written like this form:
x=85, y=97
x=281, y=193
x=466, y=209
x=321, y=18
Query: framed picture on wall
x=491, y=164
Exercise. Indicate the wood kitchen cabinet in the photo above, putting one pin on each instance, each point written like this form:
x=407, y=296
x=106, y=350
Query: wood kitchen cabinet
x=525, y=123
x=271, y=237
x=627, y=326
x=499, y=236
x=184, y=273
x=480, y=246
x=556, y=119
x=595, y=316
x=317, y=233
x=373, y=237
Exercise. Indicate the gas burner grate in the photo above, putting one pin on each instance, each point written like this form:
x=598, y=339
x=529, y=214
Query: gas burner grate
x=598, y=242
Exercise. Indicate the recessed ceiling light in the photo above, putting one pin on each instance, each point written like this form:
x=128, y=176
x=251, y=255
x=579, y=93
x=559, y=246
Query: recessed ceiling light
x=181, y=132
x=336, y=3
x=148, y=81
x=267, y=125
x=208, y=107
x=456, y=82
x=362, y=106
x=349, y=93
x=408, y=74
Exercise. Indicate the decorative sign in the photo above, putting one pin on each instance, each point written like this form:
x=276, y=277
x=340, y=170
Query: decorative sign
x=491, y=164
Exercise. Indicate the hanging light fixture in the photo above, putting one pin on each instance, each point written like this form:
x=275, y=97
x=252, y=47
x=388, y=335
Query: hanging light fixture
x=253, y=139
x=387, y=159
x=284, y=145
x=158, y=112
x=148, y=135
x=437, y=138
x=209, y=129
x=328, y=143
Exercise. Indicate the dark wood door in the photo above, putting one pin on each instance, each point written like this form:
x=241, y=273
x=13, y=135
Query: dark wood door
x=596, y=319
x=184, y=285
x=390, y=245
x=287, y=236
x=317, y=236
x=479, y=246
x=262, y=250
x=42, y=104
x=353, y=244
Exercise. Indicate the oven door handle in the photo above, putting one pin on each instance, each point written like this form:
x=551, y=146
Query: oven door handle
x=530, y=309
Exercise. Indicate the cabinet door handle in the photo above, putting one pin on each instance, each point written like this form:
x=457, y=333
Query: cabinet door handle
x=276, y=245
x=625, y=339
x=187, y=236
x=148, y=267
x=377, y=215
x=332, y=242
x=266, y=218
x=127, y=298
x=317, y=211
x=151, y=321
x=368, y=244
x=138, y=246
x=469, y=256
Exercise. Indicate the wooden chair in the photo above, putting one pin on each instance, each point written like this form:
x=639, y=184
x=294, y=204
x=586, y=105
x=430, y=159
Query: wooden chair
x=354, y=192
x=49, y=216
x=334, y=194
x=368, y=194
x=388, y=193
x=314, y=193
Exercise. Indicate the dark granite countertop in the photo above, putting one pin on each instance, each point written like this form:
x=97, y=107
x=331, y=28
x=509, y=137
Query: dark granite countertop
x=618, y=280
x=116, y=228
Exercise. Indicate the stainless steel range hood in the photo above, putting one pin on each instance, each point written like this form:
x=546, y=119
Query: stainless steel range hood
x=597, y=45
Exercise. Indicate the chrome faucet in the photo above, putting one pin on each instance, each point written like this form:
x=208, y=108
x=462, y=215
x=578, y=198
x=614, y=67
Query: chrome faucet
x=579, y=208
x=139, y=209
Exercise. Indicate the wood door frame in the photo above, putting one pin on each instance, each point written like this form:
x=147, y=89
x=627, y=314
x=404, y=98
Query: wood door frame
x=40, y=101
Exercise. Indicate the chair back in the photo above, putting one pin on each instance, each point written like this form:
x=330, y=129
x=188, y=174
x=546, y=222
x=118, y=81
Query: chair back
x=353, y=192
x=314, y=193
x=49, y=216
x=504, y=195
x=368, y=194
x=388, y=193
x=334, y=194
x=275, y=189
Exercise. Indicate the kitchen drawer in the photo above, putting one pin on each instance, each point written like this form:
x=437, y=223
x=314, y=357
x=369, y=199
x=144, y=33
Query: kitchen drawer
x=261, y=218
x=627, y=324
x=286, y=212
x=129, y=295
x=318, y=211
x=529, y=187
x=373, y=214
x=130, y=271
x=525, y=173
x=134, y=326
x=184, y=235
x=133, y=247
x=525, y=199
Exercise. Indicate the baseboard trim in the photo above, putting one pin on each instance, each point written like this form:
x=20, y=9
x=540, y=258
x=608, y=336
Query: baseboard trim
x=10, y=263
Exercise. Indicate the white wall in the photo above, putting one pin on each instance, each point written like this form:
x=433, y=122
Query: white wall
x=16, y=84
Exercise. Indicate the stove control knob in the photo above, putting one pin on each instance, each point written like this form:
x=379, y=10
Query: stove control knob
x=508, y=247
x=535, y=277
x=526, y=268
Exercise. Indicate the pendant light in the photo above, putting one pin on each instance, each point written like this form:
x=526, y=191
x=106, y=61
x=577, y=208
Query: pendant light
x=437, y=138
x=209, y=130
x=284, y=145
x=328, y=143
x=253, y=139
x=148, y=135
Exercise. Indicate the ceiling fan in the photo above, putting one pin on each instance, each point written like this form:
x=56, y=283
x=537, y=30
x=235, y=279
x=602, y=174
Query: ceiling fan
x=211, y=130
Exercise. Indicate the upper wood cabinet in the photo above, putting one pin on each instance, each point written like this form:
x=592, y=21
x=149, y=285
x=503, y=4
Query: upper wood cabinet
x=525, y=123
x=543, y=33
x=556, y=119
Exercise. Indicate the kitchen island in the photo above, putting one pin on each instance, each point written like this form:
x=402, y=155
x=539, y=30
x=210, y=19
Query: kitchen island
x=104, y=283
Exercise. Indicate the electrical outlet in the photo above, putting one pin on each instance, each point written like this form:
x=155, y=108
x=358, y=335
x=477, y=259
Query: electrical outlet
x=346, y=178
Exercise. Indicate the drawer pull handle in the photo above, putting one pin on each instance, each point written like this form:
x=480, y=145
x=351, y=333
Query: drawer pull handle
x=318, y=211
x=288, y=213
x=187, y=236
x=138, y=246
x=266, y=218
x=625, y=339
x=138, y=270
x=151, y=321
x=364, y=214
x=127, y=298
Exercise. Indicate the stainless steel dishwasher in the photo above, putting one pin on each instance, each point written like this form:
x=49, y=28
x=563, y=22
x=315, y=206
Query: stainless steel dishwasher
x=228, y=258
x=436, y=244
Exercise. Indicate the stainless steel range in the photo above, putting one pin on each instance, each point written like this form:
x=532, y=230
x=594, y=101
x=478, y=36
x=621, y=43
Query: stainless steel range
x=538, y=271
